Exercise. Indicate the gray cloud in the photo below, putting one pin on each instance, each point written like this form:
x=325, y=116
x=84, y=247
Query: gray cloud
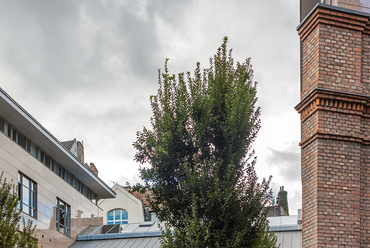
x=287, y=161
x=285, y=164
x=85, y=69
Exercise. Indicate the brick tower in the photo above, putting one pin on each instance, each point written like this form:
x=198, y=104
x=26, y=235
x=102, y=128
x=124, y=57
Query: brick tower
x=335, y=119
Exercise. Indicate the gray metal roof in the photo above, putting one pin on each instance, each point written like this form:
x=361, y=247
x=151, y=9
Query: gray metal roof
x=284, y=223
x=287, y=230
x=289, y=239
x=146, y=234
x=122, y=243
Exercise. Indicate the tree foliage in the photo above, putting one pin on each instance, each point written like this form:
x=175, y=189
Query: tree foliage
x=10, y=233
x=201, y=169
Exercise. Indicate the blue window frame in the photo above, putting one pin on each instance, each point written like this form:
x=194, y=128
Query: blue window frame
x=63, y=220
x=117, y=216
x=27, y=189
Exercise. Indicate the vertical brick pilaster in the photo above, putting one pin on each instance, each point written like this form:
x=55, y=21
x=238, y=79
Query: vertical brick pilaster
x=335, y=115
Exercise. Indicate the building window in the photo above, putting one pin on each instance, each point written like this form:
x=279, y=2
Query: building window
x=11, y=131
x=1, y=124
x=63, y=217
x=31, y=148
x=117, y=216
x=27, y=195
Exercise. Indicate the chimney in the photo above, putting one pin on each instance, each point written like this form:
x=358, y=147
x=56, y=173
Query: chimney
x=94, y=169
x=80, y=151
x=299, y=219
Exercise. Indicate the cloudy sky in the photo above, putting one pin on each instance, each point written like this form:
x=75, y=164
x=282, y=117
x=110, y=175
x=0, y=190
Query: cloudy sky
x=86, y=69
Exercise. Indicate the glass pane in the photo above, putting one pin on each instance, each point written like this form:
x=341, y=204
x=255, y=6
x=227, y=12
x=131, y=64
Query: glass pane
x=117, y=222
x=14, y=134
x=25, y=209
x=61, y=172
x=32, y=200
x=110, y=216
x=56, y=168
x=33, y=212
x=26, y=195
x=25, y=182
x=110, y=222
x=124, y=215
x=5, y=127
x=22, y=140
x=33, y=150
x=117, y=214
x=61, y=217
x=76, y=183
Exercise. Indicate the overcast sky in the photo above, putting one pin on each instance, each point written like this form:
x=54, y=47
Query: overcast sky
x=86, y=69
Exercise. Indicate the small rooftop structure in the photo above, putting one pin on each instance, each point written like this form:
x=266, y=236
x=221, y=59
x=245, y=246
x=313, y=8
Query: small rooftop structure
x=288, y=230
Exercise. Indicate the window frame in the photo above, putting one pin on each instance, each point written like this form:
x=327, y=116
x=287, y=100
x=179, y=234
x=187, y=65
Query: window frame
x=32, y=195
x=35, y=151
x=63, y=224
x=115, y=221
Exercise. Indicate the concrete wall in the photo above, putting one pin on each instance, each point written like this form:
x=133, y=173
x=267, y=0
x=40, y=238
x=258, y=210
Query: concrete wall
x=14, y=158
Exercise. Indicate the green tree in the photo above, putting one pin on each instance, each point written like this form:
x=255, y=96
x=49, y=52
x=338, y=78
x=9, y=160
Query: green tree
x=10, y=233
x=201, y=168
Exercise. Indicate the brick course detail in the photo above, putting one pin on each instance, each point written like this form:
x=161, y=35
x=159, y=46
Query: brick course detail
x=335, y=119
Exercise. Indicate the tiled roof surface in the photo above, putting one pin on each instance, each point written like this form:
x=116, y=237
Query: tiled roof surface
x=141, y=197
x=68, y=144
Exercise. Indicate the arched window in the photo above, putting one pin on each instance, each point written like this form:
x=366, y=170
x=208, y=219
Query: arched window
x=117, y=216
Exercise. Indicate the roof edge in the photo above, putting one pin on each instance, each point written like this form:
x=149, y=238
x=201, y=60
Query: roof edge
x=332, y=7
x=50, y=136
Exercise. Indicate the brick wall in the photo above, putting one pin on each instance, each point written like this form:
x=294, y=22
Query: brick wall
x=80, y=151
x=335, y=117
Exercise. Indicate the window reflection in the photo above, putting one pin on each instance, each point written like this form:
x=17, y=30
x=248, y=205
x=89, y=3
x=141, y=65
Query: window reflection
x=44, y=158
x=63, y=217
x=27, y=195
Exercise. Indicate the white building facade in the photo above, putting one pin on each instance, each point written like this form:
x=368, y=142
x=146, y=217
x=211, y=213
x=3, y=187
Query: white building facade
x=123, y=209
x=57, y=191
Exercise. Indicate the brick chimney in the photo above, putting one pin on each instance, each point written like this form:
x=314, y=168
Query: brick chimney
x=94, y=169
x=335, y=124
x=80, y=151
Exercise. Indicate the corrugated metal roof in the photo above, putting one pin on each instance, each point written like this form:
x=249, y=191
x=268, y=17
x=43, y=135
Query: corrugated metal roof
x=287, y=230
x=146, y=234
x=284, y=223
x=289, y=239
x=139, y=235
x=122, y=243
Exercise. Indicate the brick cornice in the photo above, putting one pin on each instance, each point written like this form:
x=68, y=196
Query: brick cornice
x=323, y=14
x=333, y=101
x=321, y=134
